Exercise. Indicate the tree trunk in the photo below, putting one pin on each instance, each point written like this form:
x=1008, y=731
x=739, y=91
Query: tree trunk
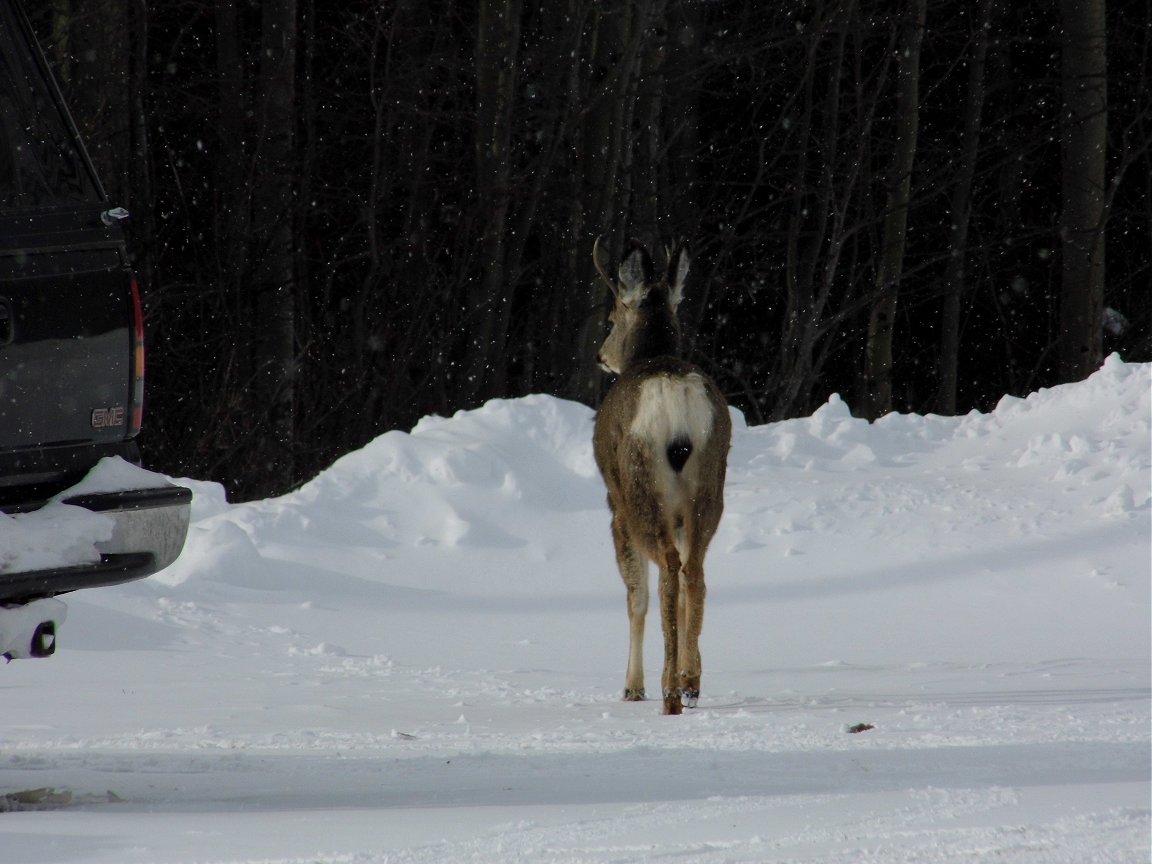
x=804, y=312
x=141, y=198
x=497, y=44
x=961, y=201
x=684, y=61
x=647, y=208
x=1083, y=148
x=275, y=334
x=606, y=161
x=791, y=363
x=233, y=182
x=882, y=321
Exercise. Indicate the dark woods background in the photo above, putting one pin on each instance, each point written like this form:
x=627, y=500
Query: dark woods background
x=347, y=216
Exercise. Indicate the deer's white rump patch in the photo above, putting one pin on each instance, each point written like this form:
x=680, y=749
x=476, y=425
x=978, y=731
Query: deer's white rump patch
x=673, y=407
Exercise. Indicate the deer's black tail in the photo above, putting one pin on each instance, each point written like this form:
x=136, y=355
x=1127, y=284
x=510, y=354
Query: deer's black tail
x=679, y=449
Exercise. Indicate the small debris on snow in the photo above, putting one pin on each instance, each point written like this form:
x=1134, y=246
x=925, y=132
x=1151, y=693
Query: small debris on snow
x=34, y=799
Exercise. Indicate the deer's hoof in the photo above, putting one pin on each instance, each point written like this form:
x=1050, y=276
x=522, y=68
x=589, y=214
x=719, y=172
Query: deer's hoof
x=691, y=698
x=672, y=703
x=633, y=694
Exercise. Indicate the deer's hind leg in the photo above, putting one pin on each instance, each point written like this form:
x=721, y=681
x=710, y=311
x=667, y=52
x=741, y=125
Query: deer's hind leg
x=633, y=564
x=669, y=615
x=692, y=592
x=691, y=616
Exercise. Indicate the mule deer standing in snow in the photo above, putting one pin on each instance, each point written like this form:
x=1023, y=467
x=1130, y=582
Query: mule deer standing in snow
x=661, y=443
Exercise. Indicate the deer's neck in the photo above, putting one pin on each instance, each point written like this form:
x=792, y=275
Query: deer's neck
x=660, y=337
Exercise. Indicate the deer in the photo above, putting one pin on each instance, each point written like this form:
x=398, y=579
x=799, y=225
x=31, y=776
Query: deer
x=660, y=441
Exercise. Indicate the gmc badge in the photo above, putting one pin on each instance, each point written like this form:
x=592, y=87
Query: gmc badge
x=106, y=418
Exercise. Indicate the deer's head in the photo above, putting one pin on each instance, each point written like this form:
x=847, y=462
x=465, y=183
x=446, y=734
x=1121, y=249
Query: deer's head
x=643, y=317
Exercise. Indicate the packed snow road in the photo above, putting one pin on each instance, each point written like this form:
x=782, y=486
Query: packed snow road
x=926, y=640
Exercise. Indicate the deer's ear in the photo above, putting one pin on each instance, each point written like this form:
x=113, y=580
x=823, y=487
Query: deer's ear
x=635, y=273
x=678, y=263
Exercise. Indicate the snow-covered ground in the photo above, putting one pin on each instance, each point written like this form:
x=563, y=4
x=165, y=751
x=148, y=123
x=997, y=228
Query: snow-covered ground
x=418, y=657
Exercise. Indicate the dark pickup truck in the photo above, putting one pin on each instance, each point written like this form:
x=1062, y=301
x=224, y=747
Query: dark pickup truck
x=71, y=361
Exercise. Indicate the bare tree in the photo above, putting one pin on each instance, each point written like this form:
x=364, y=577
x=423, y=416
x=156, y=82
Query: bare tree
x=960, y=205
x=273, y=233
x=234, y=167
x=882, y=321
x=608, y=100
x=497, y=47
x=1084, y=139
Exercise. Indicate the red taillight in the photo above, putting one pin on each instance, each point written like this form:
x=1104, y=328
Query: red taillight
x=136, y=414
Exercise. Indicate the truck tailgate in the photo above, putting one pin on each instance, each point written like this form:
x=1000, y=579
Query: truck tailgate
x=65, y=349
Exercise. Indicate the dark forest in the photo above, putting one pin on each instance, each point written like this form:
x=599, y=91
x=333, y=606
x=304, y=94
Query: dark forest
x=347, y=216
